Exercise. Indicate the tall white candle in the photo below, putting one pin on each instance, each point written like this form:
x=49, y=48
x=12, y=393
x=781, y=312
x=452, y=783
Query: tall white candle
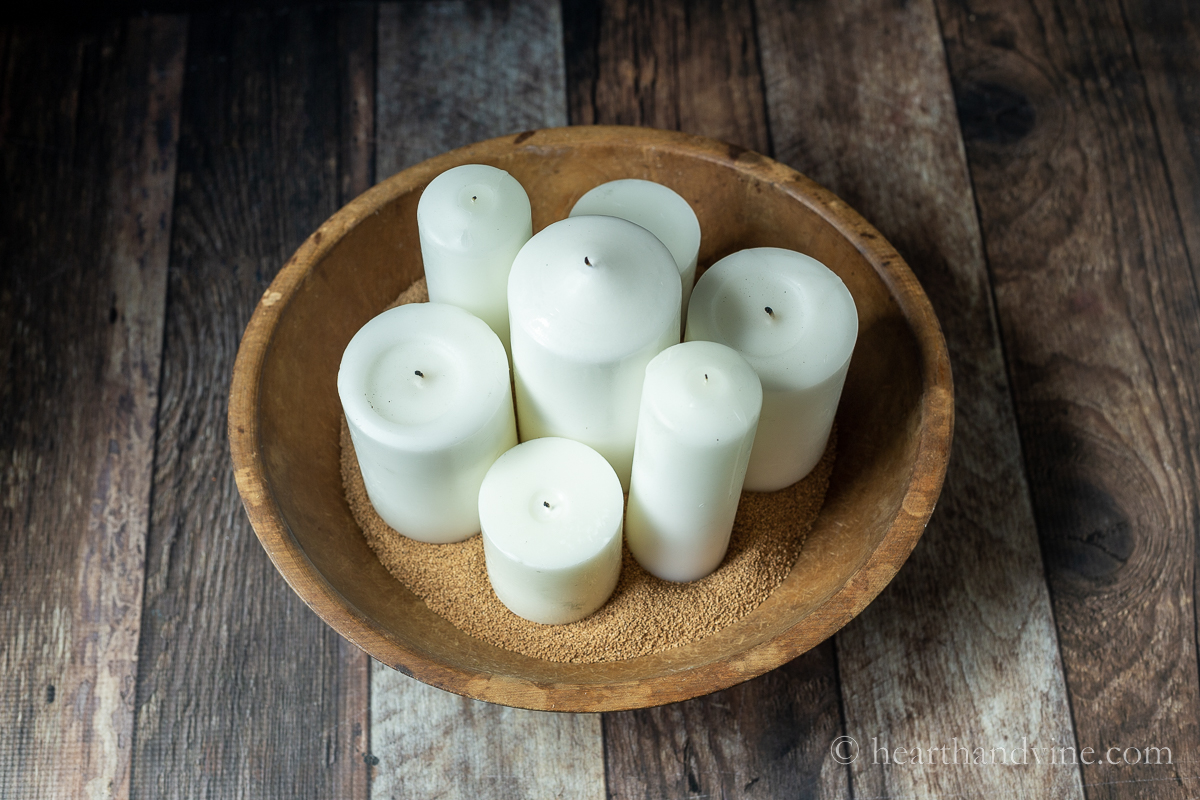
x=659, y=210
x=592, y=300
x=795, y=322
x=472, y=220
x=699, y=412
x=551, y=514
x=427, y=398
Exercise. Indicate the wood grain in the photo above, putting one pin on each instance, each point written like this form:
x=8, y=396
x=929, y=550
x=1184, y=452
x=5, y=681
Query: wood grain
x=357, y=39
x=88, y=135
x=860, y=100
x=694, y=67
x=689, y=66
x=433, y=744
x=1166, y=46
x=1097, y=300
x=767, y=738
x=240, y=687
x=451, y=73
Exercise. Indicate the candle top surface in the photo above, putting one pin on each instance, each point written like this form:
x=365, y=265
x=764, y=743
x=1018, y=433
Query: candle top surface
x=594, y=288
x=422, y=376
x=657, y=208
x=786, y=313
x=703, y=391
x=550, y=503
x=473, y=207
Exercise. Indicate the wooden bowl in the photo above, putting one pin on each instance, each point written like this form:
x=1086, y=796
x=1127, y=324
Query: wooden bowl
x=894, y=422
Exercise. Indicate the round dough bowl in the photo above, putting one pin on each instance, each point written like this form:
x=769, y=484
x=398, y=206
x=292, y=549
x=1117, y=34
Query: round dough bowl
x=894, y=421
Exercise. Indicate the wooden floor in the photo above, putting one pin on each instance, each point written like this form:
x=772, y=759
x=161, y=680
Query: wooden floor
x=1035, y=161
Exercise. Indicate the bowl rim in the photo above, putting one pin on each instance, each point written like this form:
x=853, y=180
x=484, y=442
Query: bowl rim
x=882, y=564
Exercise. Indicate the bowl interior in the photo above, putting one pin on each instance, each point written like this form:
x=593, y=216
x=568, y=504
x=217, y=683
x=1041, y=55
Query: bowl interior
x=893, y=422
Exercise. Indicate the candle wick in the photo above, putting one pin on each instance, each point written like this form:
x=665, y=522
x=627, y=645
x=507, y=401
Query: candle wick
x=769, y=311
x=546, y=504
x=585, y=260
x=474, y=198
x=706, y=376
x=418, y=373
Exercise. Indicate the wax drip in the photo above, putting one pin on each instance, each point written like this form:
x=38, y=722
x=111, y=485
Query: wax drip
x=418, y=373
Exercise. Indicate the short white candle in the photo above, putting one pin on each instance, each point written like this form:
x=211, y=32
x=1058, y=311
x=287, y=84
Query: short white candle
x=551, y=514
x=472, y=220
x=592, y=300
x=700, y=408
x=427, y=399
x=795, y=322
x=659, y=210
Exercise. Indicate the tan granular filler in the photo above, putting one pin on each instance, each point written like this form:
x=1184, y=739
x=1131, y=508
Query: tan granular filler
x=644, y=615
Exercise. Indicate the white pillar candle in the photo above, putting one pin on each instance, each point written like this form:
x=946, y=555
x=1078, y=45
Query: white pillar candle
x=472, y=220
x=699, y=412
x=427, y=399
x=795, y=322
x=551, y=514
x=659, y=210
x=592, y=300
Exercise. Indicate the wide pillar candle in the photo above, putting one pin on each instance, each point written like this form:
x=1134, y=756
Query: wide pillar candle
x=699, y=412
x=472, y=220
x=795, y=322
x=428, y=402
x=658, y=209
x=592, y=300
x=551, y=513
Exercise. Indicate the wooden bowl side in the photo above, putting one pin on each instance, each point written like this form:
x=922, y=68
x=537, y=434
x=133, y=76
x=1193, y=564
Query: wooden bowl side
x=895, y=419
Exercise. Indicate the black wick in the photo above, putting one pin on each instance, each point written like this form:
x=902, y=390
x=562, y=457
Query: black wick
x=418, y=373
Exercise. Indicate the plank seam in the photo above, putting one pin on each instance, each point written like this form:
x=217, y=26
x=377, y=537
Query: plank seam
x=762, y=85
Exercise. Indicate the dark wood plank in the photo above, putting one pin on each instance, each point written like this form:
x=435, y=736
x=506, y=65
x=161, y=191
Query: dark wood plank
x=689, y=66
x=1098, y=305
x=240, y=687
x=694, y=67
x=357, y=38
x=962, y=644
x=358, y=35
x=1166, y=39
x=87, y=136
x=451, y=73
x=769, y=737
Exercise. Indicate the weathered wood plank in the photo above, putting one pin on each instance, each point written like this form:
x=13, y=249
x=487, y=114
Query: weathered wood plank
x=451, y=73
x=240, y=687
x=962, y=645
x=432, y=744
x=1098, y=305
x=357, y=39
x=88, y=138
x=694, y=67
x=767, y=738
x=1166, y=39
x=689, y=66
